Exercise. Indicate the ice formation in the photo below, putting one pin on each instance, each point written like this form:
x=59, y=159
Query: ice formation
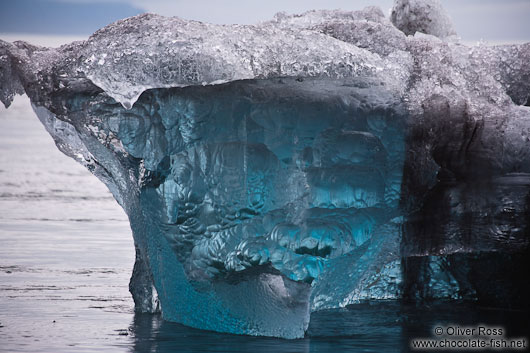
x=429, y=17
x=308, y=162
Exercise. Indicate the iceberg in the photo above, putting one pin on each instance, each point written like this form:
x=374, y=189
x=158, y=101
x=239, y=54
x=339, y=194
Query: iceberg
x=310, y=162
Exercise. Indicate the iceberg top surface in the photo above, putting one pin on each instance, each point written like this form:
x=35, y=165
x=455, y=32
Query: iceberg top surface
x=152, y=51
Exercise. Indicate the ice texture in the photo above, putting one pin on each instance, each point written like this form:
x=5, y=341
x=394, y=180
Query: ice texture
x=428, y=17
x=309, y=162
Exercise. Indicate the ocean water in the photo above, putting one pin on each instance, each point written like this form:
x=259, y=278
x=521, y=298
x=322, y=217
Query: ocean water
x=66, y=251
x=66, y=254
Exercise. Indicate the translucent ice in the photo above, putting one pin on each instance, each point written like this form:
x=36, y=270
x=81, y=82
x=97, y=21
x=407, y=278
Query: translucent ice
x=308, y=162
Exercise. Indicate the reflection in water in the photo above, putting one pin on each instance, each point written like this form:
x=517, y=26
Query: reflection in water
x=369, y=327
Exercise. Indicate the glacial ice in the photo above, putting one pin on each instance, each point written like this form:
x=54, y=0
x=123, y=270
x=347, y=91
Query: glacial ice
x=310, y=162
x=429, y=17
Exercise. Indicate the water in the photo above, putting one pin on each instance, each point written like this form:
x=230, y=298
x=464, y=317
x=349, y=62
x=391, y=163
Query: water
x=66, y=254
x=66, y=251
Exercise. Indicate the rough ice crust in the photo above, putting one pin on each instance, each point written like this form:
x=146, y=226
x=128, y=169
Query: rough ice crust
x=296, y=165
x=429, y=17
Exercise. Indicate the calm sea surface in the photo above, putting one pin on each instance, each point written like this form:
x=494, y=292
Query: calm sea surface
x=66, y=254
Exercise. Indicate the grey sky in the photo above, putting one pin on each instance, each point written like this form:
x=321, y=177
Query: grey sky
x=491, y=20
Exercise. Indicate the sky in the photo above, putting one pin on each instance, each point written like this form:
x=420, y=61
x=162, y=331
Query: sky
x=490, y=20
